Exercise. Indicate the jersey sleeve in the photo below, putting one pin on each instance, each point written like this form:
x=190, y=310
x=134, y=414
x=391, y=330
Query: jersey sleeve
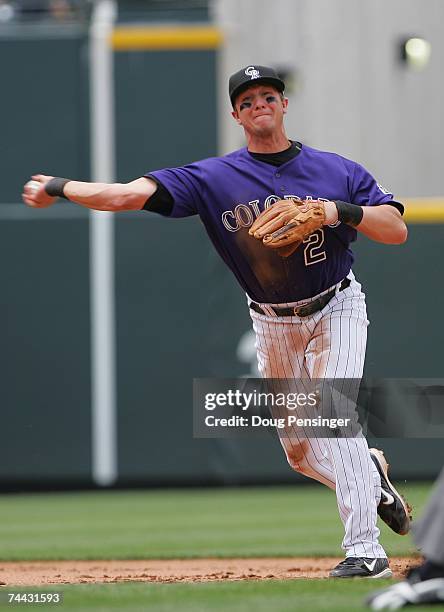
x=366, y=191
x=161, y=201
x=185, y=188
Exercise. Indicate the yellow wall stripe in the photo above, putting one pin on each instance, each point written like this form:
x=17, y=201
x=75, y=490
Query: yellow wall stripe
x=423, y=210
x=136, y=38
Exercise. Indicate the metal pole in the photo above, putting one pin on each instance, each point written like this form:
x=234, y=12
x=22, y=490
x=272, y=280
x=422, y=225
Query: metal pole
x=103, y=352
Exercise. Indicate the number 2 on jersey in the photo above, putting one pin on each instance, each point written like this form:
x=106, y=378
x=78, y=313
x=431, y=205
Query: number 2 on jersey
x=313, y=252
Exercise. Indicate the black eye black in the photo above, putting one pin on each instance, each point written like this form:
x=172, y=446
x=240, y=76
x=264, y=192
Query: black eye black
x=270, y=99
x=245, y=105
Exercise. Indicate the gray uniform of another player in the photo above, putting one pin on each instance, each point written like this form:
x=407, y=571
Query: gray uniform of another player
x=428, y=532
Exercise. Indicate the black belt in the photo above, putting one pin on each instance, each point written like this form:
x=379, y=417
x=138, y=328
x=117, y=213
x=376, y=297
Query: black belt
x=306, y=309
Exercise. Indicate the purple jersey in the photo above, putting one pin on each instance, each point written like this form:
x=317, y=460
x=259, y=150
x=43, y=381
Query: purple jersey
x=229, y=193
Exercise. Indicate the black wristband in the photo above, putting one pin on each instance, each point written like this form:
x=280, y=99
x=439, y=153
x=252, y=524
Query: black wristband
x=55, y=186
x=351, y=214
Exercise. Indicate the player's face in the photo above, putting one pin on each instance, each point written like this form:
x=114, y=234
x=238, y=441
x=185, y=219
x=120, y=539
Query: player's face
x=260, y=110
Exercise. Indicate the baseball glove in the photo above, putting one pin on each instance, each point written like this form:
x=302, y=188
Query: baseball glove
x=286, y=224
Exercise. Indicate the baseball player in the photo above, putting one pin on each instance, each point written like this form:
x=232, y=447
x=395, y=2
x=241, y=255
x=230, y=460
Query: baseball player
x=307, y=308
x=424, y=584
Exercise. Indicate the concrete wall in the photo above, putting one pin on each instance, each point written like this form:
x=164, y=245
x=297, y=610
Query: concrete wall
x=351, y=93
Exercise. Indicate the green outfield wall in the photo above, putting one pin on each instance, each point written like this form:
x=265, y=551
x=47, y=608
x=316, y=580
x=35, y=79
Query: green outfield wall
x=176, y=320
x=44, y=103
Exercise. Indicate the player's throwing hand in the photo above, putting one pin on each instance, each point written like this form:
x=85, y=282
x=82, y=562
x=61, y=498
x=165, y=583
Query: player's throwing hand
x=34, y=193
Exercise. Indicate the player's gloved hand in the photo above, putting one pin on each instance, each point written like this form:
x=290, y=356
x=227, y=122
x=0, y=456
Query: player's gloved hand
x=286, y=224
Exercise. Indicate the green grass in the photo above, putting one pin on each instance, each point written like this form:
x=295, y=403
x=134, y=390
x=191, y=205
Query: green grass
x=276, y=596
x=294, y=521
x=282, y=521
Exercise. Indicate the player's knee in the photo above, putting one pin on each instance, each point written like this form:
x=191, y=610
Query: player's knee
x=296, y=456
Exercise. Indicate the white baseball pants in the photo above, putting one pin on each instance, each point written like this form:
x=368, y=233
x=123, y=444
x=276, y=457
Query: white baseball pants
x=328, y=344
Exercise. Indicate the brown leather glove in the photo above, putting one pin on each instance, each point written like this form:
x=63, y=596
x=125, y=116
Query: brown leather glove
x=286, y=224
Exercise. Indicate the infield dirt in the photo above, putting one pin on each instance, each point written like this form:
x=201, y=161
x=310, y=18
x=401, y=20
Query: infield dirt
x=175, y=570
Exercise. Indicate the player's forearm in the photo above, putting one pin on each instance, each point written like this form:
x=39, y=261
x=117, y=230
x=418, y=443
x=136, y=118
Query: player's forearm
x=383, y=224
x=113, y=197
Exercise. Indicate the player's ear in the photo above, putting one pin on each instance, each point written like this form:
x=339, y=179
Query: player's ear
x=285, y=104
x=235, y=116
